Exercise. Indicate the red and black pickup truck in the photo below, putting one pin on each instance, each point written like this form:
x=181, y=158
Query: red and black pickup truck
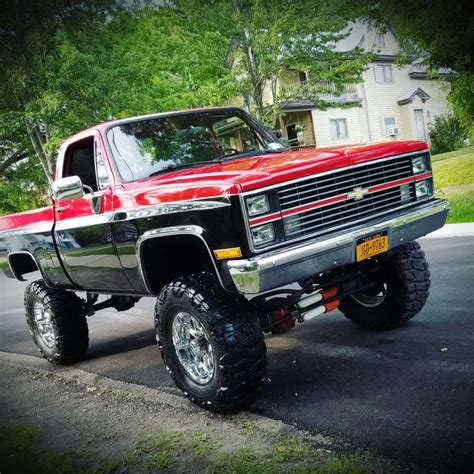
x=235, y=234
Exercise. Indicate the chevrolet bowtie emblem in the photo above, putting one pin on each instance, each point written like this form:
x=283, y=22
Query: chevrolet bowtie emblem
x=357, y=194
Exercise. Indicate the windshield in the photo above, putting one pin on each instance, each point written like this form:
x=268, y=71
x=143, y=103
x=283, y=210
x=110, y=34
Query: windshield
x=149, y=146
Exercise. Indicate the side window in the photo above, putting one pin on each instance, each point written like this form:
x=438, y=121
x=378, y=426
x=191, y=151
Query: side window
x=338, y=128
x=84, y=159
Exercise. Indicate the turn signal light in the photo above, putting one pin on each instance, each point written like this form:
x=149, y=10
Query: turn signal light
x=233, y=252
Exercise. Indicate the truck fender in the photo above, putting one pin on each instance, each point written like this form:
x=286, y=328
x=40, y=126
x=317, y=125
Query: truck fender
x=190, y=233
x=22, y=262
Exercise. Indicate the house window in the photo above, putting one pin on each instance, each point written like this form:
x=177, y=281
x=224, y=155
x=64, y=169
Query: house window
x=390, y=126
x=383, y=73
x=339, y=129
x=379, y=40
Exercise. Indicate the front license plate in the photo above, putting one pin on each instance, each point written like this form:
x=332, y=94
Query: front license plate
x=372, y=245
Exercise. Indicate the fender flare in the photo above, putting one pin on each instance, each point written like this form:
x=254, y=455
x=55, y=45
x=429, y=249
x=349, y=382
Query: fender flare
x=19, y=276
x=192, y=230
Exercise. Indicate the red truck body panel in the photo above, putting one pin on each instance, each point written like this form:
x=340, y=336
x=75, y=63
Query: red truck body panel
x=42, y=216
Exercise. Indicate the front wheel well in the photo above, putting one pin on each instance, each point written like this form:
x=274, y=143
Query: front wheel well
x=163, y=259
x=21, y=263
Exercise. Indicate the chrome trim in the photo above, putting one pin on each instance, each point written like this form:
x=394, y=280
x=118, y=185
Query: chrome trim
x=201, y=204
x=317, y=175
x=142, y=212
x=84, y=221
x=193, y=230
x=281, y=267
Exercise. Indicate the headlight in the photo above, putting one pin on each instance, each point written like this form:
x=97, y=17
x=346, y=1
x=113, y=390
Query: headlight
x=257, y=205
x=422, y=188
x=263, y=234
x=418, y=164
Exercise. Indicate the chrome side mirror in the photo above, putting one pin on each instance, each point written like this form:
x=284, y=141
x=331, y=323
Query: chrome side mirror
x=67, y=188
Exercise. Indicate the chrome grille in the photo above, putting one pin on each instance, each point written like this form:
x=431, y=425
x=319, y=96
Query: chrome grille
x=342, y=182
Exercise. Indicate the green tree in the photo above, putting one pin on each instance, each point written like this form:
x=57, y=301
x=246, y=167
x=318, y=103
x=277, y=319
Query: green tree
x=260, y=40
x=130, y=62
x=31, y=35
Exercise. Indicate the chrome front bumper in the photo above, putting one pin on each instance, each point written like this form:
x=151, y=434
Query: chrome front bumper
x=288, y=265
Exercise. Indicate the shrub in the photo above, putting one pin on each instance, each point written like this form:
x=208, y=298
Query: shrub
x=447, y=134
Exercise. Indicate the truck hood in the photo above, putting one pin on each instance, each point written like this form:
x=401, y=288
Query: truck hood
x=249, y=173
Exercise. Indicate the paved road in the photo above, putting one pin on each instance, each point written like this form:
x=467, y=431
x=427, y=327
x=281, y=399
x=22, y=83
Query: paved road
x=407, y=393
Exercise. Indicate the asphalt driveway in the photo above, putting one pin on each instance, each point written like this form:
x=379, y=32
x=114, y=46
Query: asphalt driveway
x=407, y=393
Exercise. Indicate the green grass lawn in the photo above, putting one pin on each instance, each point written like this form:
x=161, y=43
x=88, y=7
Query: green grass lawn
x=454, y=180
x=450, y=154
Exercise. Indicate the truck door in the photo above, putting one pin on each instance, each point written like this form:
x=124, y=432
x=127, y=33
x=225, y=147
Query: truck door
x=82, y=229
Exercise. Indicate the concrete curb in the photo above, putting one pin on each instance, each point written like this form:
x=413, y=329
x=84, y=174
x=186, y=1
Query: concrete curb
x=177, y=403
x=453, y=230
x=100, y=382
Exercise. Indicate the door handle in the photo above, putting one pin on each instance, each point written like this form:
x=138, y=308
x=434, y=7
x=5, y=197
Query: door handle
x=63, y=208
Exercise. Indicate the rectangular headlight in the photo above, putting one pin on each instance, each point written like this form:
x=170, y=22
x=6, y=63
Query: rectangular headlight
x=263, y=234
x=418, y=164
x=422, y=188
x=257, y=205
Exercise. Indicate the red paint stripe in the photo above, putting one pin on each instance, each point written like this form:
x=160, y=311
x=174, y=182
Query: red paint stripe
x=313, y=205
x=262, y=220
x=419, y=177
x=391, y=184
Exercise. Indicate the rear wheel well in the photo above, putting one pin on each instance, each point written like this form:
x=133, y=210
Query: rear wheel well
x=163, y=259
x=21, y=263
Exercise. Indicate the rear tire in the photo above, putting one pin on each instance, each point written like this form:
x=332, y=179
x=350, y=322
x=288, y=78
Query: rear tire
x=210, y=342
x=404, y=282
x=57, y=323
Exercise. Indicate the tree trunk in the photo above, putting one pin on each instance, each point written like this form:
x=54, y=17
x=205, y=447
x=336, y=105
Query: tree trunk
x=43, y=157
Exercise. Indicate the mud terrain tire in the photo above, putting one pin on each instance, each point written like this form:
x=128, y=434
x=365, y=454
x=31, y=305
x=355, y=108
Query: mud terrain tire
x=57, y=323
x=228, y=341
x=407, y=281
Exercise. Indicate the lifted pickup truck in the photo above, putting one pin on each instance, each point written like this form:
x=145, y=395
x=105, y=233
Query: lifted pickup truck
x=233, y=233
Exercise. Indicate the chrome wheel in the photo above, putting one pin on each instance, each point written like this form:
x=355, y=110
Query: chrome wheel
x=372, y=297
x=44, y=326
x=193, y=347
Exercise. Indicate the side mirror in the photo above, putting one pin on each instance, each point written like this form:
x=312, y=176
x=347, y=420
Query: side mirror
x=67, y=188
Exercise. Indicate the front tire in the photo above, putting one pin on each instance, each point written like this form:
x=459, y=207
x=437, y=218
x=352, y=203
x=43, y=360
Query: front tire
x=57, y=323
x=215, y=354
x=403, y=283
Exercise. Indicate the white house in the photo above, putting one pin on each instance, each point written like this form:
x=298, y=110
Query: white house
x=394, y=102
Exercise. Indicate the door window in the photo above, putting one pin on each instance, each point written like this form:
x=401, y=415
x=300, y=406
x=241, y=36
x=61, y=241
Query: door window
x=85, y=160
x=420, y=125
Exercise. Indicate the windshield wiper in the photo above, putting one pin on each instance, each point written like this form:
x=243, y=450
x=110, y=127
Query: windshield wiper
x=243, y=154
x=186, y=165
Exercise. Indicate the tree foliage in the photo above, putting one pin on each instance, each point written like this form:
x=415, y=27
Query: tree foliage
x=68, y=65
x=265, y=39
x=447, y=134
